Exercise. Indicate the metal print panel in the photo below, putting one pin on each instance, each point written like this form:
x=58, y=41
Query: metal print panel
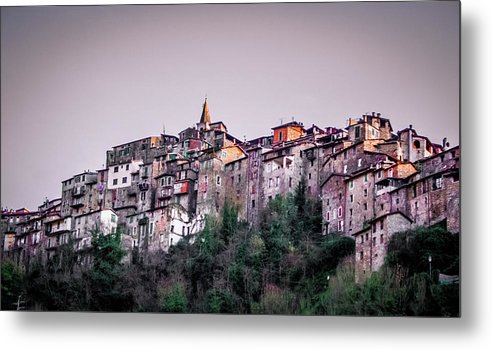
x=287, y=158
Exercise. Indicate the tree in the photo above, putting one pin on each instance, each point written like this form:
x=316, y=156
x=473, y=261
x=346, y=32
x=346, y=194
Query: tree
x=12, y=284
x=107, y=291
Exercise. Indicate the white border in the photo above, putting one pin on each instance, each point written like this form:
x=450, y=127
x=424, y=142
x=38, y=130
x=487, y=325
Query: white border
x=83, y=330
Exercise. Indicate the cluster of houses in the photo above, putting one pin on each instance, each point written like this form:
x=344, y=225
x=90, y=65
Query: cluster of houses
x=372, y=181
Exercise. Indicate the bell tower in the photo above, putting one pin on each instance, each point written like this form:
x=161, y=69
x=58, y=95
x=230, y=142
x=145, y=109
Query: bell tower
x=204, y=123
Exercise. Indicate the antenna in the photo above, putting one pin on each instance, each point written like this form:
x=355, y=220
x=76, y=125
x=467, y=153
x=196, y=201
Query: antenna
x=281, y=121
x=163, y=128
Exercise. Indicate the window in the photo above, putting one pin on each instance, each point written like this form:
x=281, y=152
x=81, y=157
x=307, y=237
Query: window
x=365, y=192
x=328, y=215
x=344, y=168
x=374, y=241
x=340, y=211
x=365, y=206
x=172, y=228
x=309, y=176
x=365, y=178
x=253, y=203
x=340, y=225
x=218, y=180
x=357, y=132
x=115, y=181
x=327, y=202
x=361, y=255
x=350, y=211
x=359, y=162
x=116, y=169
x=362, y=239
x=183, y=230
x=351, y=198
x=142, y=196
x=290, y=182
x=312, y=163
x=390, y=173
x=381, y=225
x=124, y=180
x=280, y=136
x=127, y=167
x=380, y=173
x=381, y=239
x=437, y=183
x=113, y=218
x=270, y=182
x=416, y=205
x=277, y=182
x=414, y=190
x=351, y=184
x=382, y=207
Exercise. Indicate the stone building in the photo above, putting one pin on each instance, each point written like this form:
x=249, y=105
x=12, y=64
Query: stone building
x=79, y=194
x=58, y=232
x=157, y=190
x=236, y=184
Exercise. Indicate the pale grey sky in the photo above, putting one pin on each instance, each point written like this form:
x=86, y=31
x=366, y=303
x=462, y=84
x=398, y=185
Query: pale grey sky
x=77, y=80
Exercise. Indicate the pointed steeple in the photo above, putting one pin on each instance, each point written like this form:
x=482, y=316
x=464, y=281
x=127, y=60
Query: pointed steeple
x=205, y=119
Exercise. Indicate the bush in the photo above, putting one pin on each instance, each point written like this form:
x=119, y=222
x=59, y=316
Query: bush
x=12, y=278
x=173, y=297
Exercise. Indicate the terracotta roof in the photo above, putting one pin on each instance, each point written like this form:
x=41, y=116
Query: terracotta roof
x=292, y=123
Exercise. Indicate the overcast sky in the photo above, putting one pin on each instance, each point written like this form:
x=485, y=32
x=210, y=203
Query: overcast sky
x=76, y=81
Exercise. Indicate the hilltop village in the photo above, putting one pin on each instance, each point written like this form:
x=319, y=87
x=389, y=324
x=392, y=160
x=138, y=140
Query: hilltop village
x=372, y=181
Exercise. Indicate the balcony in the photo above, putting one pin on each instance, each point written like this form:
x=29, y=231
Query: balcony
x=78, y=191
x=144, y=186
x=77, y=203
x=144, y=174
x=91, y=178
x=132, y=191
x=165, y=193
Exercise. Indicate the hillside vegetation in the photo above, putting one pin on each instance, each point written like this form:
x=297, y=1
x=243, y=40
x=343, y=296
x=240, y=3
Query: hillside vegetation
x=285, y=267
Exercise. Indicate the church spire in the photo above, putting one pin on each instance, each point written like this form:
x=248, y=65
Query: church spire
x=205, y=119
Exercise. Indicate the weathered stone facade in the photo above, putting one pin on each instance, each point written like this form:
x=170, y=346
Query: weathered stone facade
x=157, y=190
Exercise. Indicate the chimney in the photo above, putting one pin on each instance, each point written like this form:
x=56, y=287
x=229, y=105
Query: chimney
x=378, y=115
x=410, y=126
x=373, y=113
